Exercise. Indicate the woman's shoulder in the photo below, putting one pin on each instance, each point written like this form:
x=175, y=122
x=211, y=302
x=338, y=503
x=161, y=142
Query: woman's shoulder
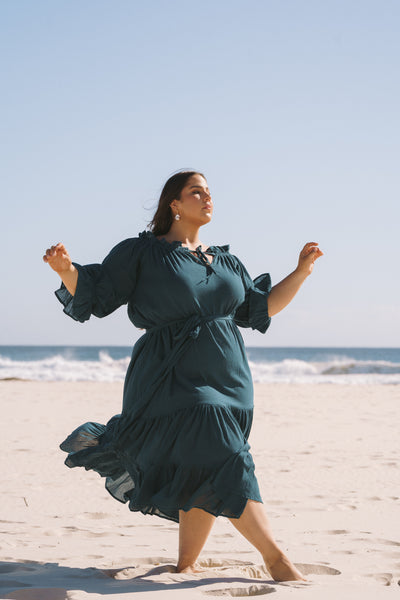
x=129, y=248
x=222, y=249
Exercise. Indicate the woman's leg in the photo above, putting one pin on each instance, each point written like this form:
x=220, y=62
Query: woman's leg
x=254, y=526
x=194, y=528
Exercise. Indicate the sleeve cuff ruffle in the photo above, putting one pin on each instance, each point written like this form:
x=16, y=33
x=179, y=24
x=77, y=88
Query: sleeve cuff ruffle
x=79, y=305
x=254, y=310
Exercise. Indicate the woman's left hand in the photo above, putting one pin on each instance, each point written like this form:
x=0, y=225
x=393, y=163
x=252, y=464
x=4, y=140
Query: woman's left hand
x=307, y=258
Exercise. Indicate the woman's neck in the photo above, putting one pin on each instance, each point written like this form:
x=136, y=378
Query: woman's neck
x=189, y=236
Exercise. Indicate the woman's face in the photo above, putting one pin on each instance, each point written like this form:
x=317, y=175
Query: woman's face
x=195, y=204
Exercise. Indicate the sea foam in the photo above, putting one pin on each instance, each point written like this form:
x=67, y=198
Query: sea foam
x=71, y=364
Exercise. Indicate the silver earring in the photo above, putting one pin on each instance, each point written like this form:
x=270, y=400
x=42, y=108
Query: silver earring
x=177, y=217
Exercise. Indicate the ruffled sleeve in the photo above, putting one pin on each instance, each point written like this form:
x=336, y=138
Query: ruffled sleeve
x=102, y=288
x=253, y=312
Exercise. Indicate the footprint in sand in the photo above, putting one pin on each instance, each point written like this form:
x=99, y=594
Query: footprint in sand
x=252, y=590
x=260, y=572
x=210, y=563
x=145, y=567
x=388, y=542
x=157, y=568
x=310, y=569
x=384, y=578
x=338, y=531
x=11, y=522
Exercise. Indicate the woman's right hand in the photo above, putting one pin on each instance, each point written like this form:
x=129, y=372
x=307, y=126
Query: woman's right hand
x=58, y=259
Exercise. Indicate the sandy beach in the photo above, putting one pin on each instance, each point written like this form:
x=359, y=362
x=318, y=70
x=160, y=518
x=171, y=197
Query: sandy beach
x=327, y=463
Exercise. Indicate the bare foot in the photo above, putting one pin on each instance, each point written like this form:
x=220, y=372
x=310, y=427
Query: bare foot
x=283, y=570
x=189, y=569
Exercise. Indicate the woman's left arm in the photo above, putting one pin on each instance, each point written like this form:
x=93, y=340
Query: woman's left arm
x=284, y=291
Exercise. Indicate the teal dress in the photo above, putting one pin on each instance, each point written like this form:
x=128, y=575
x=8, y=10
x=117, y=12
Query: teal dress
x=181, y=440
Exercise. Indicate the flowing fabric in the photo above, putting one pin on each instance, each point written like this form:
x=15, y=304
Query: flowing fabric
x=181, y=440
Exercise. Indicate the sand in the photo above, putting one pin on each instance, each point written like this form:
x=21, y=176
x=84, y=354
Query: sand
x=327, y=462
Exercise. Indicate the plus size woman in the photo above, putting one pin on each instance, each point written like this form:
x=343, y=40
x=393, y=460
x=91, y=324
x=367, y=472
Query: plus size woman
x=179, y=449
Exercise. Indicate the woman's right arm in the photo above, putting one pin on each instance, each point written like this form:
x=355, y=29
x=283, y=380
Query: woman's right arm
x=59, y=260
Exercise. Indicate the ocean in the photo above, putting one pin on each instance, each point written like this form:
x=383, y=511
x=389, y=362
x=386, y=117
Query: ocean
x=268, y=365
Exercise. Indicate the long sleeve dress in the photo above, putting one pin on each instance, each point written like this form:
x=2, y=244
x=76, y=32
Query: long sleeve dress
x=181, y=440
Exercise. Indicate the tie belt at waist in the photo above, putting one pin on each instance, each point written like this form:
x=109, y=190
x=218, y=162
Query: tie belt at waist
x=181, y=339
x=192, y=325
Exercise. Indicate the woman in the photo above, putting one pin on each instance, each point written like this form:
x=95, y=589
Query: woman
x=179, y=449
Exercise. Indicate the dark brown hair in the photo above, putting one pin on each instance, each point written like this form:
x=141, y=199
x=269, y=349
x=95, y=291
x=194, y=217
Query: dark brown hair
x=162, y=220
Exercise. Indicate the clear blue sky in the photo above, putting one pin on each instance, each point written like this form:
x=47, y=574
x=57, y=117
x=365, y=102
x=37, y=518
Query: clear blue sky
x=290, y=108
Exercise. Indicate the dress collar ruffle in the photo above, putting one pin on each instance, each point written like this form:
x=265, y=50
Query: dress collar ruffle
x=178, y=244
